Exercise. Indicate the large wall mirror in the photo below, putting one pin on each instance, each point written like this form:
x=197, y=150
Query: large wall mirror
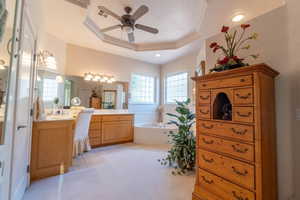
x=92, y=94
x=7, y=14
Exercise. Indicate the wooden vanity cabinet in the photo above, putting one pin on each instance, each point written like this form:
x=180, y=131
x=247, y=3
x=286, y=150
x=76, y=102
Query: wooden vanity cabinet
x=236, y=138
x=52, y=148
x=111, y=129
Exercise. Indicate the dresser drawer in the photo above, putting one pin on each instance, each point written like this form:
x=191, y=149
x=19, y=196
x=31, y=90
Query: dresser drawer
x=204, y=112
x=109, y=118
x=228, y=82
x=223, y=188
x=235, y=131
x=243, y=151
x=202, y=194
x=233, y=170
x=243, y=114
x=204, y=97
x=243, y=96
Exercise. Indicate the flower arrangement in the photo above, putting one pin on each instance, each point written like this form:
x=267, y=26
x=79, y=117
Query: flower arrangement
x=234, y=44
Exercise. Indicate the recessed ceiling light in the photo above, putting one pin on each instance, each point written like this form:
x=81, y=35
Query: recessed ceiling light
x=238, y=18
x=157, y=55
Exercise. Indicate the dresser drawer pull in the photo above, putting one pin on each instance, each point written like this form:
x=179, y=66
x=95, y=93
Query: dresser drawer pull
x=207, y=142
x=238, y=172
x=238, y=197
x=207, y=160
x=244, y=97
x=242, y=80
x=204, y=98
x=207, y=181
x=204, y=85
x=207, y=127
x=239, y=132
x=204, y=112
x=244, y=115
x=239, y=150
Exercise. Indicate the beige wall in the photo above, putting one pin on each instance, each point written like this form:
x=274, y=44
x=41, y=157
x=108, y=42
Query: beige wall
x=278, y=48
x=55, y=46
x=81, y=60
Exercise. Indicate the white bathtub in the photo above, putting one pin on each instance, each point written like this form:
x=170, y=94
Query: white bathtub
x=152, y=134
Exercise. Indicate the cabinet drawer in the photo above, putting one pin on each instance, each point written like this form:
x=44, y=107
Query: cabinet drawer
x=117, y=118
x=235, y=131
x=95, y=125
x=223, y=188
x=95, y=141
x=96, y=118
x=204, y=97
x=243, y=151
x=243, y=96
x=243, y=114
x=204, y=112
x=228, y=82
x=95, y=133
x=233, y=170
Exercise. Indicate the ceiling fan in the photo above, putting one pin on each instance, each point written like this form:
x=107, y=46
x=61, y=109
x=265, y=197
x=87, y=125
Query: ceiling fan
x=128, y=21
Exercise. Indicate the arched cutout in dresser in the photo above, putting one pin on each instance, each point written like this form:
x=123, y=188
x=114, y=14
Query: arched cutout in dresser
x=222, y=107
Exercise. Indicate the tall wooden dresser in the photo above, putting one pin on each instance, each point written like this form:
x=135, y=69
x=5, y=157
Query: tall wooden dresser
x=236, y=136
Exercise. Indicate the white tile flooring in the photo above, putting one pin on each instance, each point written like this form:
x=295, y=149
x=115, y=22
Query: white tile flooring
x=121, y=172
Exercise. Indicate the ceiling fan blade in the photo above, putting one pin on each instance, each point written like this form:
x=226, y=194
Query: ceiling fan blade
x=140, y=12
x=131, y=37
x=109, y=12
x=146, y=28
x=81, y=3
x=110, y=28
x=93, y=27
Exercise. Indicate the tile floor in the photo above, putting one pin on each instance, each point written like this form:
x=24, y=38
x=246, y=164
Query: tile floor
x=121, y=172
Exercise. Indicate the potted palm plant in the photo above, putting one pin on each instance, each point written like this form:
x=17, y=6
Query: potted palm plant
x=182, y=155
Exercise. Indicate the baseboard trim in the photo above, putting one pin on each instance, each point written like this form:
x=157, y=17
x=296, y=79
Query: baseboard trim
x=20, y=189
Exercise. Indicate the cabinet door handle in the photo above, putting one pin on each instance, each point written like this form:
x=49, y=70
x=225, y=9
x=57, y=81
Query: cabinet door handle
x=207, y=181
x=239, y=132
x=239, y=172
x=238, y=197
x=207, y=160
x=204, y=112
x=236, y=149
x=207, y=127
x=244, y=97
x=1, y=168
x=207, y=142
x=244, y=115
x=204, y=98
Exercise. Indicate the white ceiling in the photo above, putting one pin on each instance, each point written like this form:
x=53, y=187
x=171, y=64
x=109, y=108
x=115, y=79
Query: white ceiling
x=174, y=18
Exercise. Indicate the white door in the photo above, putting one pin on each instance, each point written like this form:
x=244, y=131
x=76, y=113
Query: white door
x=8, y=48
x=23, y=118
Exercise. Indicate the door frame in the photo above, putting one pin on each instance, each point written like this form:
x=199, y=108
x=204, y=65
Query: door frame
x=24, y=15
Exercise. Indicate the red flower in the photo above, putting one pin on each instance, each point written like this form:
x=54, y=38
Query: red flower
x=224, y=61
x=244, y=26
x=214, y=44
x=225, y=29
x=216, y=49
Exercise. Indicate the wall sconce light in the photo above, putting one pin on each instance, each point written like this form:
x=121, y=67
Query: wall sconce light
x=2, y=65
x=99, y=78
x=47, y=60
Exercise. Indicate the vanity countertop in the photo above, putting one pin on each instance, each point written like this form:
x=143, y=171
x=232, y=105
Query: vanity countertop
x=73, y=116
